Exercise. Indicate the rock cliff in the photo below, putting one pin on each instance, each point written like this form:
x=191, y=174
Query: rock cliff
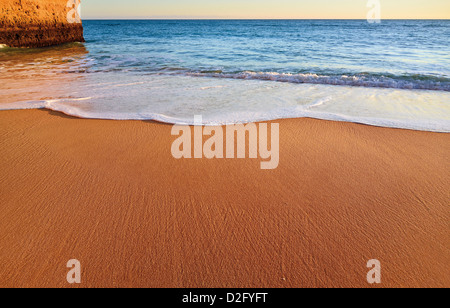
x=39, y=23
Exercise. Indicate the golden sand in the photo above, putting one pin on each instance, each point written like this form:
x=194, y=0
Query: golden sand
x=110, y=194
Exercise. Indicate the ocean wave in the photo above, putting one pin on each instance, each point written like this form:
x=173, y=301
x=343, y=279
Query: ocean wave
x=242, y=117
x=414, y=82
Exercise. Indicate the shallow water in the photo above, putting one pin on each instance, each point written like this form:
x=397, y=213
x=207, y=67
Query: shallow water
x=396, y=74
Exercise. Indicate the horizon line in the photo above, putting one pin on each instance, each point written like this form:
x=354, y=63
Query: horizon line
x=153, y=18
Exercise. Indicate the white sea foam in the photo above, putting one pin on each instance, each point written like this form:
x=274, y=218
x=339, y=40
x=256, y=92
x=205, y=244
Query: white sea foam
x=176, y=99
x=320, y=102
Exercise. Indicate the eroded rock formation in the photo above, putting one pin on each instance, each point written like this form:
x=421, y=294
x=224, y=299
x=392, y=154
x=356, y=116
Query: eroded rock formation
x=38, y=23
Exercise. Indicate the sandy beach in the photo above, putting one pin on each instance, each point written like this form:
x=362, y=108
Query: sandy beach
x=110, y=194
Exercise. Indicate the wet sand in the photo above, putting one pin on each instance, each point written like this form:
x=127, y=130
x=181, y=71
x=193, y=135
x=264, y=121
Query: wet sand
x=110, y=194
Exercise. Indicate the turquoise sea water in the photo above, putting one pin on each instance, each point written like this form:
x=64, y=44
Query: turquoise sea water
x=395, y=74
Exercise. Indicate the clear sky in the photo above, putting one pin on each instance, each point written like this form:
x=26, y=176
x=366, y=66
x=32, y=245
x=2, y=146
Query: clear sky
x=261, y=9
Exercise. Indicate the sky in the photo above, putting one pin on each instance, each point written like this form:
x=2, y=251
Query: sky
x=262, y=9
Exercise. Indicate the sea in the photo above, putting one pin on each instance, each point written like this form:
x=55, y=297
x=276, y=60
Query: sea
x=392, y=74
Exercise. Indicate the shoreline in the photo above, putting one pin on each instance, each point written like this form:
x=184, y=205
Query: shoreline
x=110, y=194
x=338, y=119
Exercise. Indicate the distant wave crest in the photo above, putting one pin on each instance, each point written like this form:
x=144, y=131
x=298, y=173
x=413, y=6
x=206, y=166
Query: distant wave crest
x=402, y=82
